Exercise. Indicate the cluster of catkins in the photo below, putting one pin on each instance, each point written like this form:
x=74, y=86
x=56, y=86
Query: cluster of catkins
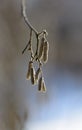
x=40, y=55
x=36, y=77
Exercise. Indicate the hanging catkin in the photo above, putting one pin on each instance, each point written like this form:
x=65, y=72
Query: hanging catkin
x=38, y=72
x=32, y=75
x=41, y=48
x=43, y=86
x=40, y=84
x=45, y=51
x=28, y=76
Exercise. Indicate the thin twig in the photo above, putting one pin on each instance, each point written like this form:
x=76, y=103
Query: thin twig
x=26, y=19
x=25, y=48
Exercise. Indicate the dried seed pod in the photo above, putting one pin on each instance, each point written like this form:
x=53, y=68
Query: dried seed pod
x=38, y=72
x=28, y=76
x=40, y=84
x=43, y=86
x=41, y=49
x=45, y=52
x=32, y=75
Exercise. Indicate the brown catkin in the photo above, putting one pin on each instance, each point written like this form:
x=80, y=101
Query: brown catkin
x=32, y=75
x=43, y=86
x=40, y=55
x=28, y=76
x=45, y=51
x=38, y=72
x=40, y=84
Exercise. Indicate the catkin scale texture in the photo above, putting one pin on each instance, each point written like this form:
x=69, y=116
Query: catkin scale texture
x=28, y=76
x=32, y=76
x=38, y=72
x=41, y=49
x=43, y=86
x=40, y=84
x=45, y=52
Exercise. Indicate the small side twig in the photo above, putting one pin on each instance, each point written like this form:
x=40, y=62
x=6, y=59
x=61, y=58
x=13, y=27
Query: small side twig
x=25, y=48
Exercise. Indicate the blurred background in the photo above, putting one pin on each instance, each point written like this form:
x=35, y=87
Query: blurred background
x=21, y=106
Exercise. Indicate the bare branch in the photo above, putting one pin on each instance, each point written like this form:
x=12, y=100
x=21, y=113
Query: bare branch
x=26, y=19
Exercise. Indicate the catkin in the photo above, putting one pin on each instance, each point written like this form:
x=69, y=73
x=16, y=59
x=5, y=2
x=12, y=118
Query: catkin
x=28, y=76
x=45, y=52
x=40, y=55
x=32, y=76
x=38, y=72
x=40, y=84
x=43, y=86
